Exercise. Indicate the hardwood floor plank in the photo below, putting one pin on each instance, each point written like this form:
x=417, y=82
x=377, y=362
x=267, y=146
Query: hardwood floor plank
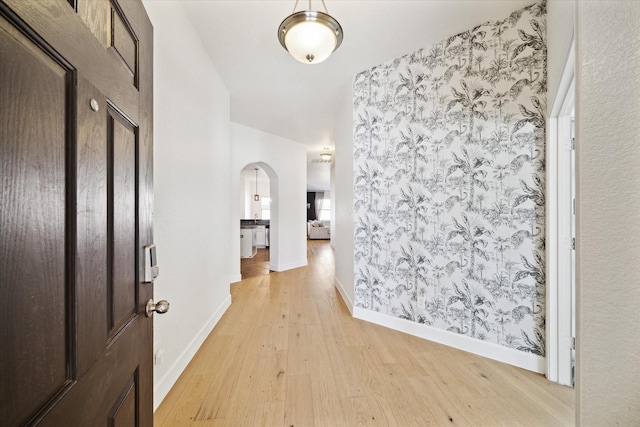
x=298, y=348
x=180, y=408
x=366, y=412
x=299, y=405
x=440, y=406
x=461, y=392
x=271, y=386
x=287, y=352
x=536, y=394
x=265, y=414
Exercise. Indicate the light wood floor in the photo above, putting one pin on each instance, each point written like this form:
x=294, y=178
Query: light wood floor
x=288, y=353
x=256, y=266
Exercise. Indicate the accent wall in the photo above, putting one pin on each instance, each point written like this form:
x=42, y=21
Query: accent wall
x=448, y=149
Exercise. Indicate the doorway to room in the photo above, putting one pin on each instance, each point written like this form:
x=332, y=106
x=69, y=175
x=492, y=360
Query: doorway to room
x=255, y=221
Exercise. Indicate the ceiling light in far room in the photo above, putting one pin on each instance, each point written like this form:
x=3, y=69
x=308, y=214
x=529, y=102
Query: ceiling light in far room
x=310, y=36
x=326, y=155
x=256, y=197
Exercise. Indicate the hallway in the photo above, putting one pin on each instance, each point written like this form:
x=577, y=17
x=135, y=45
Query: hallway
x=288, y=353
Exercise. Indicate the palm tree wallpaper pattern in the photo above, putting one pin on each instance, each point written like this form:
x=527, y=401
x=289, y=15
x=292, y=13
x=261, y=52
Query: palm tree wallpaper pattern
x=449, y=183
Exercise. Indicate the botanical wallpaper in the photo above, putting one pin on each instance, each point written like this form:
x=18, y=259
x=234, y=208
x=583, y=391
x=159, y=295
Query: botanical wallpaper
x=449, y=183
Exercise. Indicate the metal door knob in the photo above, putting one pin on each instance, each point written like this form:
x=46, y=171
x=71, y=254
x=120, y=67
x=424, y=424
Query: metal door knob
x=160, y=307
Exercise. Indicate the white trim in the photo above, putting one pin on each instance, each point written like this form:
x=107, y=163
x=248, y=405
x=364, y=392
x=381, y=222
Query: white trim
x=552, y=251
x=235, y=278
x=565, y=81
x=344, y=295
x=558, y=234
x=163, y=386
x=490, y=350
x=289, y=266
x=564, y=263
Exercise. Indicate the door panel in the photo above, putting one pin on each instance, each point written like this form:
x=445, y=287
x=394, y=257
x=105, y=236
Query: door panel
x=92, y=398
x=124, y=42
x=123, y=413
x=33, y=251
x=122, y=196
x=75, y=147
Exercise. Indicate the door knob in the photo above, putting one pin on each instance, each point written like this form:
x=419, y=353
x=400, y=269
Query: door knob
x=160, y=307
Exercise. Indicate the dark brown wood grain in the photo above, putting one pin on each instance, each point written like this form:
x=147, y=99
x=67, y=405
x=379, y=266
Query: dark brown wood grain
x=124, y=41
x=91, y=265
x=58, y=23
x=32, y=226
x=94, y=13
x=76, y=211
x=123, y=413
x=122, y=196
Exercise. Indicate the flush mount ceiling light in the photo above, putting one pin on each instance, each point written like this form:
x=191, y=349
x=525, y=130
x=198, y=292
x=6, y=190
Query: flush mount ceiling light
x=325, y=155
x=310, y=36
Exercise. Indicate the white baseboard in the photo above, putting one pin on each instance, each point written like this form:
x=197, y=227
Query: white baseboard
x=345, y=297
x=235, y=278
x=490, y=350
x=162, y=387
x=288, y=266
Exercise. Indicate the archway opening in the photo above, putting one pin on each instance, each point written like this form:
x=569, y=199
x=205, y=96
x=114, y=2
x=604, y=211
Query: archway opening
x=258, y=213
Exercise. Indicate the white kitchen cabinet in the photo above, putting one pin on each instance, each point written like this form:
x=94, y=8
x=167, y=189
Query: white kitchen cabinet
x=261, y=236
x=248, y=242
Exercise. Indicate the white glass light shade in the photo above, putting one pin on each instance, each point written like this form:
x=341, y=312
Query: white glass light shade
x=310, y=42
x=310, y=36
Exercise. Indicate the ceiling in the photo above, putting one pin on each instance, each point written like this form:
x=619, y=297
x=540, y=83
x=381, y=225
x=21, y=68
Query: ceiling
x=272, y=92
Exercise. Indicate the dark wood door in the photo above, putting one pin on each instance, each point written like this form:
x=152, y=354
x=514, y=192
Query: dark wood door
x=75, y=213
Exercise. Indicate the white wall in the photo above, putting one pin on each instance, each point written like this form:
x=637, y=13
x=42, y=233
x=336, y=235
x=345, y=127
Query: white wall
x=249, y=207
x=286, y=165
x=332, y=188
x=560, y=26
x=342, y=202
x=191, y=161
x=608, y=212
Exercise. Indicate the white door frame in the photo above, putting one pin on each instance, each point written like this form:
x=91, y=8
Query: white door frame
x=560, y=293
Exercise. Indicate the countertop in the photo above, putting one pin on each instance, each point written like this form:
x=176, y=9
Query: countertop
x=252, y=223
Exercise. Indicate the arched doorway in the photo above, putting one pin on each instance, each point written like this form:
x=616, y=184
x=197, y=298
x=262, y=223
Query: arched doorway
x=257, y=211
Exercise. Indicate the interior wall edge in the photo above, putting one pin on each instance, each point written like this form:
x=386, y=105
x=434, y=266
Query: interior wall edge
x=345, y=297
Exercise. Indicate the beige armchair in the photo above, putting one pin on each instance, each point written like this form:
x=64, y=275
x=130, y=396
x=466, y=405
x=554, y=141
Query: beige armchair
x=318, y=230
